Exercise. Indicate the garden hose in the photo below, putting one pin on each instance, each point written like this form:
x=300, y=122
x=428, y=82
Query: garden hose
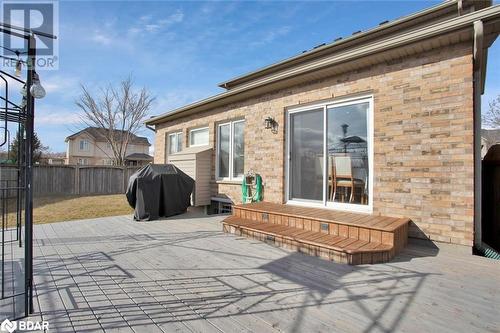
x=256, y=196
x=488, y=252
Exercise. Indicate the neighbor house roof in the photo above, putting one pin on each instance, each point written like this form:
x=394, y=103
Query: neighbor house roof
x=54, y=155
x=100, y=134
x=491, y=135
x=139, y=157
x=452, y=19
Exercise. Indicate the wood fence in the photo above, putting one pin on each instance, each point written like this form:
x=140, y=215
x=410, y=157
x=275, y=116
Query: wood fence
x=70, y=179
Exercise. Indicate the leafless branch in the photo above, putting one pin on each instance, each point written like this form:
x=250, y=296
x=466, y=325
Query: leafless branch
x=119, y=111
x=492, y=117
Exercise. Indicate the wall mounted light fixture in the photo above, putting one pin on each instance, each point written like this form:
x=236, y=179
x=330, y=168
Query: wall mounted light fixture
x=270, y=123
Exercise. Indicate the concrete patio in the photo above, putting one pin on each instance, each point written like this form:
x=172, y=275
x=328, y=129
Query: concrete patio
x=183, y=274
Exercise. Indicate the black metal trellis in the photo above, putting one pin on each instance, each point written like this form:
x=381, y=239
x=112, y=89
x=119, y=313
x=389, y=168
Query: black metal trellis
x=16, y=190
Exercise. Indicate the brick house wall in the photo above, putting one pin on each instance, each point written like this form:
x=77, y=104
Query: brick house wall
x=423, y=138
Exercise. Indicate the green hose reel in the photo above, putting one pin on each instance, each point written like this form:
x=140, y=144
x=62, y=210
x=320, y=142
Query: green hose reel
x=251, y=187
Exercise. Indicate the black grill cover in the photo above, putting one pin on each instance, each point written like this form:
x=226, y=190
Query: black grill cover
x=159, y=190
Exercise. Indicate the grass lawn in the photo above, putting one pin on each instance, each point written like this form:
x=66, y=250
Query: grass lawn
x=65, y=208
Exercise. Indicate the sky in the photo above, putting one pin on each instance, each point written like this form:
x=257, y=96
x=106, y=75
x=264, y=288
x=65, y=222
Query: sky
x=180, y=51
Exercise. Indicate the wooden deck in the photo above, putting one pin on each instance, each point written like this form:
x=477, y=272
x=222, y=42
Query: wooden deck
x=339, y=236
x=184, y=275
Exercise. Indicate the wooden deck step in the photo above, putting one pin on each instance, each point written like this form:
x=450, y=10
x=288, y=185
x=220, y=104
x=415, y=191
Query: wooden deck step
x=338, y=243
x=375, y=222
x=352, y=238
x=337, y=248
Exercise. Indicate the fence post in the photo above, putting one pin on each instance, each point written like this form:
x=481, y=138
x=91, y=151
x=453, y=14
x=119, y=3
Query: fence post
x=77, y=179
x=124, y=182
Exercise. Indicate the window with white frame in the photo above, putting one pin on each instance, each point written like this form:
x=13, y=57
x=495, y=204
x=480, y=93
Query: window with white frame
x=198, y=137
x=84, y=145
x=83, y=161
x=174, y=142
x=230, y=150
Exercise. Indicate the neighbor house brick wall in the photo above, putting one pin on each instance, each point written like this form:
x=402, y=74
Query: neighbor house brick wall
x=423, y=138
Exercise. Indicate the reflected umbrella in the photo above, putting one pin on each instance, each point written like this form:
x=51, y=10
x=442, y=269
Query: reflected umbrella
x=353, y=139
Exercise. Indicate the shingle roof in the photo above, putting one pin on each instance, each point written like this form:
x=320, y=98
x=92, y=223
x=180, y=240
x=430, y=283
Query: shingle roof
x=99, y=134
x=441, y=20
x=443, y=8
x=139, y=156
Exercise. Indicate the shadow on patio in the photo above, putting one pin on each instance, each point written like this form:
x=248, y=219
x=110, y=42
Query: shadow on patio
x=81, y=288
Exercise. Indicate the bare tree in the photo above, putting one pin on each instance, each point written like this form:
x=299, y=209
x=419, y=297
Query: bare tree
x=492, y=117
x=118, y=111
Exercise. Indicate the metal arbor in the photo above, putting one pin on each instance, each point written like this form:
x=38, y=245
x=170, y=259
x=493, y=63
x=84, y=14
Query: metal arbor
x=16, y=192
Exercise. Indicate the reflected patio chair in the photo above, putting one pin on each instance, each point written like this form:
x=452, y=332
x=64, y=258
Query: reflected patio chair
x=343, y=177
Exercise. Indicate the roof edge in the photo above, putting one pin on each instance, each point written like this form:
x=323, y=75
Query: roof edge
x=446, y=6
x=407, y=18
x=89, y=133
x=454, y=24
x=85, y=130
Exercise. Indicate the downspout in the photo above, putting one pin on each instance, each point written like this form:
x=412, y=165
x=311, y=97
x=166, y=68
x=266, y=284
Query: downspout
x=478, y=89
x=152, y=129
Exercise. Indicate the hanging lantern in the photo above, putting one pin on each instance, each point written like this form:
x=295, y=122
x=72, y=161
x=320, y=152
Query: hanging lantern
x=19, y=67
x=36, y=89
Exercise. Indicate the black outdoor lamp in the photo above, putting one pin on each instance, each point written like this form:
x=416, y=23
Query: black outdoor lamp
x=270, y=123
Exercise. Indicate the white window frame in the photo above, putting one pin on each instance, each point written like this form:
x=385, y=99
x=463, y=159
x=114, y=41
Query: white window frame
x=324, y=203
x=231, y=157
x=198, y=130
x=85, y=143
x=83, y=161
x=169, y=138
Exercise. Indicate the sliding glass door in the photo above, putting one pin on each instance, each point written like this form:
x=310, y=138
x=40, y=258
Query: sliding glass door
x=341, y=131
x=306, y=153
